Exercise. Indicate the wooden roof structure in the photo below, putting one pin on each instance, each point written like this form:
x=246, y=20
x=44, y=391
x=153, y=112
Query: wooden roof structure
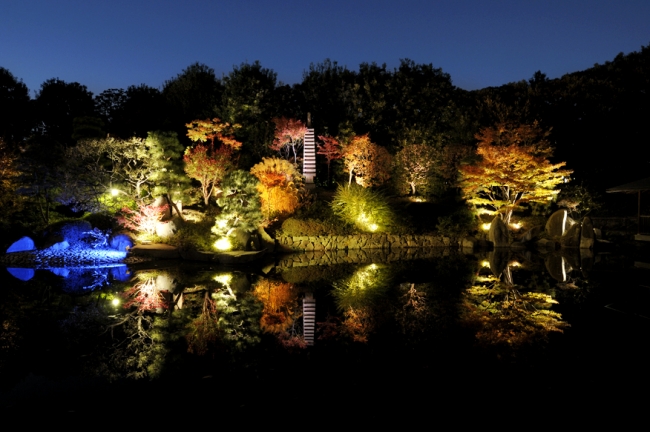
x=634, y=187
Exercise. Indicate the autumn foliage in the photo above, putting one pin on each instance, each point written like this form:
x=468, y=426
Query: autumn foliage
x=281, y=306
x=331, y=149
x=367, y=162
x=280, y=186
x=144, y=219
x=513, y=169
x=208, y=165
x=213, y=130
x=289, y=136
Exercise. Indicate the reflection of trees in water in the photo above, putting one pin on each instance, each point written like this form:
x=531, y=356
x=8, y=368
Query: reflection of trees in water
x=145, y=296
x=357, y=297
x=280, y=312
x=505, y=316
x=203, y=331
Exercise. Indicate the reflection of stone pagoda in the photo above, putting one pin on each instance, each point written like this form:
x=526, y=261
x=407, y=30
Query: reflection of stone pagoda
x=309, y=155
x=309, y=318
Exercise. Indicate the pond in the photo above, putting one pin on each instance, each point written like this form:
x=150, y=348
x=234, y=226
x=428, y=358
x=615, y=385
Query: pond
x=492, y=325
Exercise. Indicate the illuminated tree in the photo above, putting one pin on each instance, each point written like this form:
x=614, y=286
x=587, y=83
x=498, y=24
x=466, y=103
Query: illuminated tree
x=144, y=219
x=281, y=307
x=8, y=180
x=280, y=186
x=211, y=130
x=369, y=163
x=204, y=329
x=415, y=165
x=331, y=149
x=240, y=205
x=513, y=169
x=207, y=165
x=289, y=134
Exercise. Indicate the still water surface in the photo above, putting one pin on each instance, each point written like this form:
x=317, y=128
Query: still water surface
x=508, y=323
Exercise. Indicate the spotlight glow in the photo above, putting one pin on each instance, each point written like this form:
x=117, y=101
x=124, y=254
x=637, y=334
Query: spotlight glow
x=223, y=244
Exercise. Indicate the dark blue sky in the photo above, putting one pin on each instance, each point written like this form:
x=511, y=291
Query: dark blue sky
x=116, y=43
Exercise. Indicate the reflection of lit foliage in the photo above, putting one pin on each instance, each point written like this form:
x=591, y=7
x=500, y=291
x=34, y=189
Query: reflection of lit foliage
x=358, y=323
x=145, y=296
x=203, y=331
x=280, y=301
x=363, y=288
x=238, y=319
x=504, y=316
x=414, y=310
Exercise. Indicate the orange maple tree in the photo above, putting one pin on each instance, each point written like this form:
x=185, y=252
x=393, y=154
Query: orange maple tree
x=207, y=165
x=513, y=169
x=211, y=130
x=281, y=306
x=368, y=162
x=280, y=186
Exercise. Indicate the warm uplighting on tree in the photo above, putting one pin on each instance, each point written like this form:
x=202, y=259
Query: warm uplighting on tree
x=213, y=130
x=208, y=165
x=415, y=167
x=280, y=301
x=280, y=186
x=513, y=170
x=144, y=219
x=289, y=136
x=367, y=162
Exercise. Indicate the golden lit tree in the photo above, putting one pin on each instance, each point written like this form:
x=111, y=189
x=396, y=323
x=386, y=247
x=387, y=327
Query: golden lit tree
x=415, y=166
x=211, y=130
x=513, y=169
x=368, y=162
x=280, y=186
x=281, y=306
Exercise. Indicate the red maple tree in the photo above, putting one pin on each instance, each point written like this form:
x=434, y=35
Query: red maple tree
x=289, y=136
x=331, y=149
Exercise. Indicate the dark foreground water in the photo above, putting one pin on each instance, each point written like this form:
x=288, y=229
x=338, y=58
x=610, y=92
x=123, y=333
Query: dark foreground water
x=501, y=330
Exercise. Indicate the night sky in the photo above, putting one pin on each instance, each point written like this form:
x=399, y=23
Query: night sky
x=118, y=43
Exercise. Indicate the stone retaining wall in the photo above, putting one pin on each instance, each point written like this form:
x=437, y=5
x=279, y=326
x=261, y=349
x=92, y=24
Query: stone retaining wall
x=360, y=241
x=359, y=256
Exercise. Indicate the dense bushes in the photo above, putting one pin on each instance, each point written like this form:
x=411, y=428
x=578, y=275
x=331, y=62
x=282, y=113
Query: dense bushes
x=366, y=209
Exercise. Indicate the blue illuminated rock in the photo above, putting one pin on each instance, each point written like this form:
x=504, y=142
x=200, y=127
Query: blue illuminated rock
x=120, y=242
x=24, y=274
x=23, y=244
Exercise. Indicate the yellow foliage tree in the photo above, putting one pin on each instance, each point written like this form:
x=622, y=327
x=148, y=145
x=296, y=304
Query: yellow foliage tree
x=281, y=305
x=513, y=169
x=215, y=129
x=368, y=162
x=280, y=187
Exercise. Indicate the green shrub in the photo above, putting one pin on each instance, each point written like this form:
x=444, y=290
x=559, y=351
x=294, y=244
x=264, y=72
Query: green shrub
x=366, y=209
x=193, y=235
